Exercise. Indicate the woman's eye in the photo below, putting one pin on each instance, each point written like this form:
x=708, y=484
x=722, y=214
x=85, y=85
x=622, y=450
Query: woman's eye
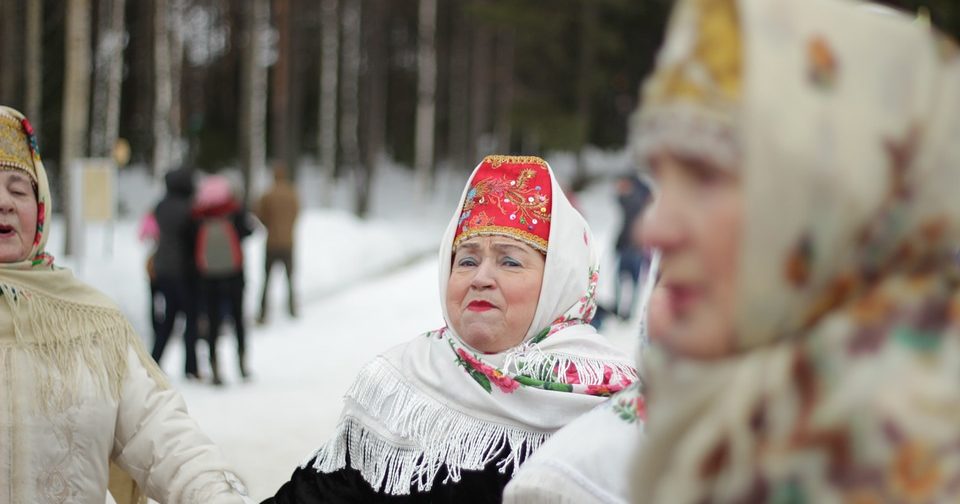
x=466, y=262
x=509, y=261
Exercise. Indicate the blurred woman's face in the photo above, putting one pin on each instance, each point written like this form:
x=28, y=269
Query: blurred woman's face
x=18, y=216
x=493, y=291
x=695, y=221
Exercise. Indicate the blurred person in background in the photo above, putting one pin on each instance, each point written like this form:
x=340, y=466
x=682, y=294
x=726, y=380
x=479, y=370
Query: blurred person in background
x=277, y=209
x=79, y=390
x=451, y=415
x=149, y=232
x=174, y=267
x=222, y=224
x=633, y=196
x=806, y=161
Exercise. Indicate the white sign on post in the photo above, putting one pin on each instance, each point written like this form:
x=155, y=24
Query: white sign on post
x=93, y=198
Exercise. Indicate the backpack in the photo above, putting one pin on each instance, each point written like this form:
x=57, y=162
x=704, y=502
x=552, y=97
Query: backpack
x=218, y=251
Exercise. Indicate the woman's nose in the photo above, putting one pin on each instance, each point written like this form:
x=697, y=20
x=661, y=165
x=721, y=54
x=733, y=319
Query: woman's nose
x=661, y=228
x=484, y=276
x=6, y=201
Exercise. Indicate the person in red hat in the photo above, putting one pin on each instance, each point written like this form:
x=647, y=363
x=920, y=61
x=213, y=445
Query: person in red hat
x=452, y=414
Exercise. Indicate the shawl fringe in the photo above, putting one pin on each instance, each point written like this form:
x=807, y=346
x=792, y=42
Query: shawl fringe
x=68, y=337
x=439, y=436
x=552, y=367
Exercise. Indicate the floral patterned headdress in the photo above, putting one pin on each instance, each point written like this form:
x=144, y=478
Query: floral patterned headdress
x=19, y=151
x=508, y=196
x=690, y=104
x=18, y=146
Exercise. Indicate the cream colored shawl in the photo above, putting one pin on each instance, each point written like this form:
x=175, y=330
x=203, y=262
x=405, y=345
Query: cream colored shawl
x=843, y=122
x=66, y=326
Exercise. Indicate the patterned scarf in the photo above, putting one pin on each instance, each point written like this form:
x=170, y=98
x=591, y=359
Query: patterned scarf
x=844, y=386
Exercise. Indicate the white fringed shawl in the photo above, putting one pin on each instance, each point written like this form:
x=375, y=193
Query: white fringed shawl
x=434, y=403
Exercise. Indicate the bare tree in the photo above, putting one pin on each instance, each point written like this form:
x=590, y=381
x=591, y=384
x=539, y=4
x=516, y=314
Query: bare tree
x=76, y=102
x=253, y=91
x=350, y=86
x=459, y=89
x=480, y=83
x=9, y=55
x=280, y=83
x=373, y=110
x=163, y=92
x=504, y=94
x=588, y=31
x=108, y=72
x=426, y=94
x=33, y=60
x=329, y=63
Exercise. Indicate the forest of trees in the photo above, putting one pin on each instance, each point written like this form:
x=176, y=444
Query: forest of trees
x=240, y=83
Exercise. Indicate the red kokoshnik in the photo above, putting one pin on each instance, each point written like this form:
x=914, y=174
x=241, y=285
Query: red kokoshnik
x=509, y=196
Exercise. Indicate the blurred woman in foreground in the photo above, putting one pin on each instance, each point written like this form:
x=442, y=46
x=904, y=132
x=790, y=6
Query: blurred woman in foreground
x=806, y=161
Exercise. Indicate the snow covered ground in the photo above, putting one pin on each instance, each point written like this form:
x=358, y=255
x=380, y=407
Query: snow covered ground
x=364, y=285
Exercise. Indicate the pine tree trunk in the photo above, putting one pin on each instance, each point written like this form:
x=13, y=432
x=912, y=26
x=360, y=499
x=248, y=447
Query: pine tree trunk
x=426, y=95
x=76, y=104
x=459, y=90
x=253, y=92
x=373, y=116
x=108, y=72
x=33, y=61
x=162, y=93
x=350, y=86
x=504, y=93
x=479, y=92
x=588, y=29
x=329, y=63
x=10, y=64
x=280, y=84
x=175, y=35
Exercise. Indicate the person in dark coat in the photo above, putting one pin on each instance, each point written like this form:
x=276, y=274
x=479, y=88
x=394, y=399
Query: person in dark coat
x=632, y=195
x=174, y=267
x=222, y=223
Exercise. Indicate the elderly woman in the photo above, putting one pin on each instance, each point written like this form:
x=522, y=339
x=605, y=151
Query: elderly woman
x=451, y=415
x=806, y=158
x=78, y=389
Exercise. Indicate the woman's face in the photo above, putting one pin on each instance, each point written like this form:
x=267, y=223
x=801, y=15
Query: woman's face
x=18, y=216
x=695, y=221
x=493, y=291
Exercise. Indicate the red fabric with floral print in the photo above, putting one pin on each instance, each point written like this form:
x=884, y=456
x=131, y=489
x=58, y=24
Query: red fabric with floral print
x=510, y=196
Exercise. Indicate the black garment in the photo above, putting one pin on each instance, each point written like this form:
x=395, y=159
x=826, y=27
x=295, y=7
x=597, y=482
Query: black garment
x=226, y=292
x=175, y=244
x=307, y=486
x=220, y=293
x=632, y=202
x=284, y=257
x=178, y=297
x=175, y=267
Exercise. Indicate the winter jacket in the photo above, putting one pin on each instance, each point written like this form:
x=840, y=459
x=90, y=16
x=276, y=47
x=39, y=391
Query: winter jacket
x=73, y=400
x=278, y=209
x=174, y=255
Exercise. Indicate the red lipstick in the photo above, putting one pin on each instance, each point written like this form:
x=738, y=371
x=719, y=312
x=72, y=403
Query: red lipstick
x=479, y=306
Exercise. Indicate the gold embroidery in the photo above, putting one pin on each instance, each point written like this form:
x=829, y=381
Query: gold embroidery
x=497, y=160
x=14, y=149
x=517, y=234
